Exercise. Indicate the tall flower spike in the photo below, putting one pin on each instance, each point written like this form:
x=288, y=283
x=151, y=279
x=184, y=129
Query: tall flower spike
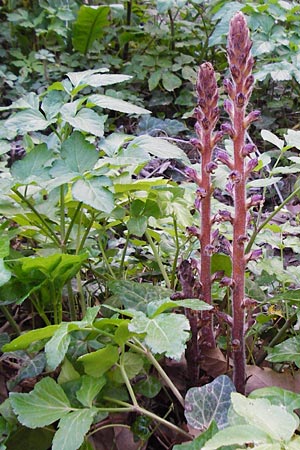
x=241, y=84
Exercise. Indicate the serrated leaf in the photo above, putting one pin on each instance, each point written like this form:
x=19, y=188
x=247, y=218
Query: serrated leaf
x=92, y=193
x=58, y=345
x=288, y=350
x=72, y=429
x=274, y=420
x=239, y=434
x=209, y=403
x=115, y=104
x=86, y=120
x=90, y=387
x=34, y=167
x=78, y=154
x=165, y=334
x=100, y=361
x=28, y=120
x=136, y=296
x=158, y=147
x=23, y=341
x=89, y=26
x=272, y=138
x=42, y=406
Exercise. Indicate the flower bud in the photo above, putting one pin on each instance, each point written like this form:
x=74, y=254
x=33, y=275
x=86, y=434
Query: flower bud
x=227, y=128
x=234, y=176
x=227, y=282
x=229, y=87
x=248, y=149
x=254, y=200
x=240, y=100
x=223, y=156
x=228, y=106
x=251, y=165
x=252, y=117
x=211, y=167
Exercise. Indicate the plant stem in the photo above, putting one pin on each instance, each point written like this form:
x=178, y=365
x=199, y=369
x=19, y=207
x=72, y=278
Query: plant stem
x=105, y=259
x=129, y=4
x=158, y=259
x=172, y=28
x=10, y=320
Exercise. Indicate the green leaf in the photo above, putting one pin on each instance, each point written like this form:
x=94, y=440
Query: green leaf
x=159, y=306
x=5, y=274
x=293, y=138
x=221, y=262
x=38, y=439
x=90, y=387
x=278, y=396
x=154, y=79
x=31, y=369
x=165, y=334
x=288, y=350
x=27, y=120
x=137, y=225
x=263, y=183
x=150, y=387
x=42, y=406
x=89, y=26
x=92, y=193
x=170, y=81
x=23, y=341
x=100, y=361
x=85, y=120
x=72, y=429
x=198, y=442
x=58, y=345
x=67, y=372
x=79, y=155
x=132, y=363
x=239, y=434
x=136, y=296
x=105, y=101
x=158, y=147
x=274, y=420
x=209, y=403
x=272, y=138
x=34, y=167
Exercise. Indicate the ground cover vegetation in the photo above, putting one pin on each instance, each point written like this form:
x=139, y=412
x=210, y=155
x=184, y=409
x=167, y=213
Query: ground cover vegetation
x=149, y=247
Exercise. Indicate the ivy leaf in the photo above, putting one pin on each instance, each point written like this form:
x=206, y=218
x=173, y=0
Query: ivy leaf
x=32, y=368
x=45, y=404
x=288, y=350
x=92, y=193
x=165, y=334
x=209, y=403
x=72, y=429
x=58, y=345
x=89, y=26
x=90, y=387
x=115, y=104
x=278, y=396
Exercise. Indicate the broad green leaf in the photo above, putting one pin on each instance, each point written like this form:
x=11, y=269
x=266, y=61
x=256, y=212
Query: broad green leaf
x=23, y=341
x=263, y=183
x=158, y=147
x=89, y=26
x=90, y=387
x=239, y=434
x=58, y=345
x=78, y=155
x=52, y=103
x=170, y=81
x=5, y=273
x=105, y=101
x=42, y=406
x=132, y=363
x=292, y=138
x=38, y=439
x=165, y=334
x=288, y=350
x=209, y=403
x=28, y=120
x=221, y=29
x=139, y=185
x=159, y=306
x=92, y=193
x=86, y=120
x=97, y=80
x=199, y=442
x=5, y=147
x=136, y=296
x=154, y=79
x=274, y=420
x=150, y=387
x=72, y=429
x=272, y=138
x=67, y=372
x=221, y=262
x=278, y=396
x=294, y=444
x=100, y=361
x=34, y=167
x=137, y=225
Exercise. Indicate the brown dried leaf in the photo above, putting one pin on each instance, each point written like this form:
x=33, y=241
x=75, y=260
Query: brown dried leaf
x=259, y=378
x=213, y=362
